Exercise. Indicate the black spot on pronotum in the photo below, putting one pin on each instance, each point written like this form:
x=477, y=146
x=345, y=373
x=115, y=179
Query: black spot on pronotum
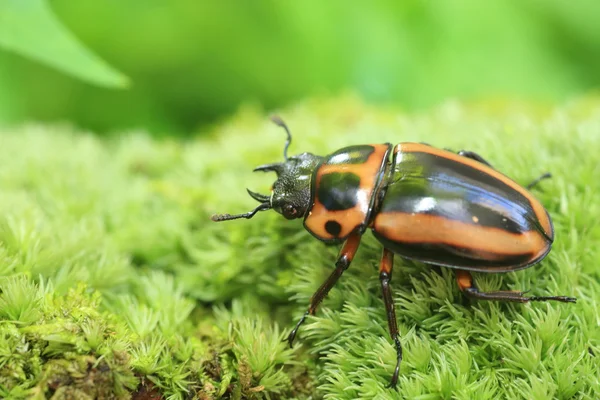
x=333, y=228
x=339, y=190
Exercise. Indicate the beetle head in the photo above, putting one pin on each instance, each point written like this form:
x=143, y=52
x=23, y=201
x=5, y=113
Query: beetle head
x=290, y=195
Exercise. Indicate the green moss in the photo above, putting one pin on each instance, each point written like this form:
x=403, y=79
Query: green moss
x=114, y=283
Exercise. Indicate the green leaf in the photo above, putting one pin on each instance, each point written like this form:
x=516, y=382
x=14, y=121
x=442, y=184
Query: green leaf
x=29, y=28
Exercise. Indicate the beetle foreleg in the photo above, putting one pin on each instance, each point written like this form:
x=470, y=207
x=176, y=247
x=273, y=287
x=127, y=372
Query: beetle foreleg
x=343, y=262
x=385, y=276
x=466, y=285
x=474, y=156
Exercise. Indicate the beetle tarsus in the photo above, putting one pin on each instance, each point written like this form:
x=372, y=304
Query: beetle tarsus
x=292, y=335
x=394, y=381
x=563, y=299
x=513, y=296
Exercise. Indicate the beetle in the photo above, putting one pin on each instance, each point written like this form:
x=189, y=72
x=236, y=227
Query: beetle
x=423, y=203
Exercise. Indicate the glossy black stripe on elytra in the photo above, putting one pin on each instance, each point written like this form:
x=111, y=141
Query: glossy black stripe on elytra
x=459, y=192
x=338, y=191
x=435, y=167
x=457, y=257
x=358, y=154
x=435, y=197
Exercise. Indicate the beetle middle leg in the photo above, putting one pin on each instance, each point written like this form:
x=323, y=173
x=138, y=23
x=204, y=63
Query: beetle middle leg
x=343, y=262
x=385, y=276
x=547, y=175
x=474, y=156
x=466, y=285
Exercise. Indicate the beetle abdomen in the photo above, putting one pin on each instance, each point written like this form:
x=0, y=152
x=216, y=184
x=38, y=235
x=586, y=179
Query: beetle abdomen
x=445, y=209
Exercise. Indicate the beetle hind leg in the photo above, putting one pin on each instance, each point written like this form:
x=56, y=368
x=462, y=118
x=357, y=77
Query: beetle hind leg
x=385, y=276
x=474, y=156
x=466, y=285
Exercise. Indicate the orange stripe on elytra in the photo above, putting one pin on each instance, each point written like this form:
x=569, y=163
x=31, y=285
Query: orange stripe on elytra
x=538, y=208
x=432, y=229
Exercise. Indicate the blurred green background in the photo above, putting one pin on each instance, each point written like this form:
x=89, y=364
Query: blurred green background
x=193, y=62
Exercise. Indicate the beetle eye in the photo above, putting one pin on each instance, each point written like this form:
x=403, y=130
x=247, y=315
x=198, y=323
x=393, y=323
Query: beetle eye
x=289, y=211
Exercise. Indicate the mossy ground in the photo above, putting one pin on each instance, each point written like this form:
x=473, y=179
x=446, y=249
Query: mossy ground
x=115, y=284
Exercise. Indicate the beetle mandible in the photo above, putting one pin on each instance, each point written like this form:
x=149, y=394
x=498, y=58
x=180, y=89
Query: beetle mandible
x=422, y=203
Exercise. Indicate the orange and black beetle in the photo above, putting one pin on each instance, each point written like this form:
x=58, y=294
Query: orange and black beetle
x=422, y=203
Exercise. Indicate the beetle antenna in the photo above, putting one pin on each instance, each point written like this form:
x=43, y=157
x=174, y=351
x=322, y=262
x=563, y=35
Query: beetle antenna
x=248, y=215
x=279, y=122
